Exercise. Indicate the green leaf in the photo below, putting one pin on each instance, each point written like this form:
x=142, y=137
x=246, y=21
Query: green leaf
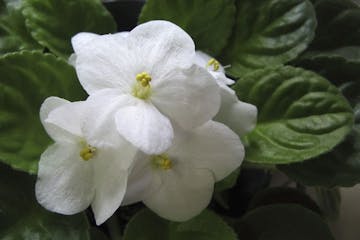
x=340, y=167
x=207, y=226
x=338, y=24
x=209, y=22
x=339, y=65
x=335, y=51
x=283, y=195
x=300, y=115
x=14, y=35
x=283, y=222
x=53, y=22
x=22, y=218
x=27, y=78
x=268, y=33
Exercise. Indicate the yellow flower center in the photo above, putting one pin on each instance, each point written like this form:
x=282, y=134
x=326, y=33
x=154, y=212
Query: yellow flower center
x=162, y=161
x=214, y=63
x=142, y=88
x=87, y=152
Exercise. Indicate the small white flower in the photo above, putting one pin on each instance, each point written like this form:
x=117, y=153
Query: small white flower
x=178, y=184
x=142, y=80
x=74, y=172
x=238, y=115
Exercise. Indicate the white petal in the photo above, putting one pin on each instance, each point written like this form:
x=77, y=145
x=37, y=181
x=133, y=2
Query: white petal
x=189, y=97
x=111, y=172
x=81, y=40
x=163, y=46
x=64, y=182
x=212, y=146
x=57, y=133
x=104, y=62
x=121, y=34
x=238, y=115
x=99, y=127
x=49, y=105
x=139, y=181
x=145, y=127
x=221, y=79
x=183, y=193
x=68, y=117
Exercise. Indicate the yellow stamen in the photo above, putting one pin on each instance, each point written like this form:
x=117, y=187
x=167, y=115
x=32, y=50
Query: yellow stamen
x=162, y=161
x=87, y=152
x=144, y=78
x=142, y=88
x=213, y=62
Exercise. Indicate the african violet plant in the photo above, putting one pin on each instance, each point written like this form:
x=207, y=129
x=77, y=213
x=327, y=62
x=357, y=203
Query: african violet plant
x=174, y=129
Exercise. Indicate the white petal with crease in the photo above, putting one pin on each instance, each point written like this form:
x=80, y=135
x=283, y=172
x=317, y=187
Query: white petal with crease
x=65, y=183
x=190, y=97
x=111, y=173
x=212, y=146
x=145, y=127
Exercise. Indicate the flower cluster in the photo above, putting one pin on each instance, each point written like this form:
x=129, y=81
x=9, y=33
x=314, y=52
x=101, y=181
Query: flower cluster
x=147, y=131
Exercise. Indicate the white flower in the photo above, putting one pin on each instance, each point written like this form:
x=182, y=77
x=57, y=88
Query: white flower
x=144, y=79
x=238, y=115
x=74, y=172
x=178, y=184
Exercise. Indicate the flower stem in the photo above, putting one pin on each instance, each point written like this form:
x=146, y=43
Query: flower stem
x=113, y=226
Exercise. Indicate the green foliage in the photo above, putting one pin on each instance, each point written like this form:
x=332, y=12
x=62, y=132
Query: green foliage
x=268, y=33
x=301, y=115
x=207, y=226
x=283, y=195
x=27, y=78
x=209, y=22
x=340, y=167
x=339, y=65
x=335, y=51
x=283, y=222
x=338, y=24
x=13, y=33
x=22, y=218
x=53, y=22
x=335, y=54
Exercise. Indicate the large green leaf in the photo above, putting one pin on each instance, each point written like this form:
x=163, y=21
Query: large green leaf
x=338, y=65
x=207, y=226
x=338, y=24
x=301, y=115
x=340, y=167
x=283, y=222
x=53, y=22
x=209, y=22
x=27, y=78
x=335, y=51
x=22, y=218
x=14, y=35
x=268, y=33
